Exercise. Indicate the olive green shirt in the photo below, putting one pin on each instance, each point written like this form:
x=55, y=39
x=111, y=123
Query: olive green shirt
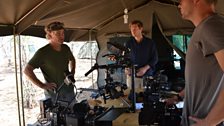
x=53, y=64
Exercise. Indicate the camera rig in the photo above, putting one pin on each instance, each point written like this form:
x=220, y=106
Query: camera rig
x=112, y=89
x=155, y=111
x=69, y=113
x=59, y=113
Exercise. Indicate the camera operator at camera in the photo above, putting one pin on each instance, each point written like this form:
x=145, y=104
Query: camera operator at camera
x=143, y=53
x=54, y=60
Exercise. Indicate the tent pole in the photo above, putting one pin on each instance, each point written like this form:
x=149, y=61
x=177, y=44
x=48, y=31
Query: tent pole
x=90, y=40
x=17, y=85
x=21, y=79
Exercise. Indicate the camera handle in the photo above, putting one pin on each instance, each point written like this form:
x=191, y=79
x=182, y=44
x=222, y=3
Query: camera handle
x=57, y=93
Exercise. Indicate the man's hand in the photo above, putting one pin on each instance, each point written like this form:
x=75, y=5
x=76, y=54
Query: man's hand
x=200, y=122
x=171, y=101
x=127, y=71
x=141, y=71
x=112, y=57
x=49, y=86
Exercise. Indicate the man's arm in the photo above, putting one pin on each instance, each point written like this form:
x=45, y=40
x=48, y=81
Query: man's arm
x=153, y=55
x=216, y=115
x=72, y=64
x=141, y=71
x=28, y=71
x=220, y=58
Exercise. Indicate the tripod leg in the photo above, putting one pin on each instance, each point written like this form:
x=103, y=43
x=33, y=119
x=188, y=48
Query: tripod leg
x=124, y=101
x=133, y=107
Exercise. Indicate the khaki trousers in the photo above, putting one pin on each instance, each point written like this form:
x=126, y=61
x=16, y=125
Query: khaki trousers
x=138, y=83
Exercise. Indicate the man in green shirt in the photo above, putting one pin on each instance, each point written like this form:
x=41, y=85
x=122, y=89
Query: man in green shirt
x=54, y=59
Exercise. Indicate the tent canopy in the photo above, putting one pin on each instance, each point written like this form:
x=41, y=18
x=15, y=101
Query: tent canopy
x=82, y=17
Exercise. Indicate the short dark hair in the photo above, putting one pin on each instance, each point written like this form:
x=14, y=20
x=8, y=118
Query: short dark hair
x=137, y=22
x=54, y=26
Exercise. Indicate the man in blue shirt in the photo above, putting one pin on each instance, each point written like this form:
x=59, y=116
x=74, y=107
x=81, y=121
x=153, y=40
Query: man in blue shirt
x=143, y=54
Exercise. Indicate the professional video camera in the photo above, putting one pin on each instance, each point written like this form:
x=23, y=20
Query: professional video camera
x=67, y=113
x=54, y=111
x=80, y=114
x=155, y=111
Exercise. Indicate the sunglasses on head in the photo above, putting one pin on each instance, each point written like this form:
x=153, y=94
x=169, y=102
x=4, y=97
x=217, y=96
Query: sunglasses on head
x=55, y=26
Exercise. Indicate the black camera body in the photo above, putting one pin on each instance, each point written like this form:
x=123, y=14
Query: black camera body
x=79, y=114
x=155, y=111
x=60, y=114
